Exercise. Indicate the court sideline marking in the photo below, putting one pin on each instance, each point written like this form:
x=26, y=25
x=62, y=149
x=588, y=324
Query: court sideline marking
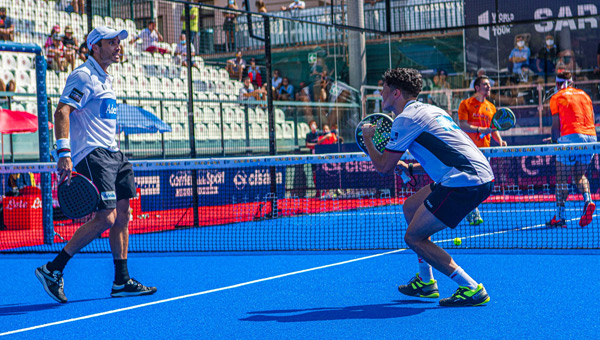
x=246, y=283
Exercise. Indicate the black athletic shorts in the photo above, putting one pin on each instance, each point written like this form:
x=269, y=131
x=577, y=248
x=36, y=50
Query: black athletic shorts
x=450, y=205
x=111, y=173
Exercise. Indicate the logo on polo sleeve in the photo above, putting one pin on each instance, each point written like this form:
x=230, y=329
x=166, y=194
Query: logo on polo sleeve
x=76, y=95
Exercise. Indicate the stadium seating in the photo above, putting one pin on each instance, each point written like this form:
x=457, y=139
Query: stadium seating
x=151, y=81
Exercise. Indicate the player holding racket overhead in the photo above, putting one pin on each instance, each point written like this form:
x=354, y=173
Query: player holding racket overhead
x=572, y=122
x=85, y=126
x=462, y=180
x=474, y=117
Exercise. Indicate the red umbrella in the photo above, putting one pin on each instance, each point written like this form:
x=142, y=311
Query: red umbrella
x=17, y=122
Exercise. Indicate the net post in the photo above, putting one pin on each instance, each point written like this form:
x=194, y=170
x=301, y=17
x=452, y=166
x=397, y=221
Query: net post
x=271, y=115
x=44, y=147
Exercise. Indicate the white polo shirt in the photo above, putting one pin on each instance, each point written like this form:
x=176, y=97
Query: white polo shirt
x=446, y=153
x=93, y=124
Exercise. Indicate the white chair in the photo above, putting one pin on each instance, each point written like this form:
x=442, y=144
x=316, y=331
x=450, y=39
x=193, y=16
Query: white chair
x=214, y=131
x=261, y=115
x=303, y=129
x=252, y=118
x=229, y=115
x=201, y=132
x=31, y=107
x=9, y=61
x=279, y=116
x=120, y=24
x=288, y=130
x=97, y=21
x=237, y=131
x=227, y=132
x=108, y=21
x=23, y=78
x=6, y=75
x=256, y=131
x=278, y=131
x=25, y=61
x=208, y=115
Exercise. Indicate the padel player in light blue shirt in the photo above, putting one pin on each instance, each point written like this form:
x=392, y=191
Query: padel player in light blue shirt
x=462, y=179
x=85, y=127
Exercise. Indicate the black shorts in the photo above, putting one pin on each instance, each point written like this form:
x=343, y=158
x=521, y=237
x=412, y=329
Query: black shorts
x=450, y=205
x=111, y=173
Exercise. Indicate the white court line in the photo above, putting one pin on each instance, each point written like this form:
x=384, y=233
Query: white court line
x=249, y=283
x=197, y=294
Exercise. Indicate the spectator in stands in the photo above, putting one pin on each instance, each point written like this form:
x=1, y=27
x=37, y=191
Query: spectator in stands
x=194, y=16
x=327, y=137
x=229, y=25
x=180, y=54
x=55, y=30
x=261, y=7
x=150, y=39
x=566, y=61
x=520, y=54
x=7, y=27
x=10, y=87
x=312, y=138
x=236, y=66
x=297, y=4
x=336, y=132
x=572, y=122
x=84, y=52
x=55, y=53
x=19, y=181
x=546, y=57
x=481, y=72
x=249, y=93
x=440, y=83
x=78, y=6
x=70, y=44
x=286, y=91
x=254, y=73
x=276, y=79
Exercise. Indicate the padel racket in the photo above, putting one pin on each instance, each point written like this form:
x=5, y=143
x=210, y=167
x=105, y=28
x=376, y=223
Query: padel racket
x=502, y=120
x=383, y=128
x=79, y=198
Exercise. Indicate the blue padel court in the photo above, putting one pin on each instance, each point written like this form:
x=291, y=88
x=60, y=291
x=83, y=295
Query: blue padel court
x=535, y=293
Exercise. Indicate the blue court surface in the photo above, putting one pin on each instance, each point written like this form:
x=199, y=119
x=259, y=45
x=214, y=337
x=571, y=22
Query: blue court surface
x=305, y=295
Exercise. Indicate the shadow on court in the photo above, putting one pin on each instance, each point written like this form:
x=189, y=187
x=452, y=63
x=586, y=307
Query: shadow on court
x=380, y=311
x=16, y=308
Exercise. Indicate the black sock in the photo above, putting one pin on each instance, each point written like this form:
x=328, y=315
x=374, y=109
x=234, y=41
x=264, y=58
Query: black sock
x=59, y=262
x=121, y=272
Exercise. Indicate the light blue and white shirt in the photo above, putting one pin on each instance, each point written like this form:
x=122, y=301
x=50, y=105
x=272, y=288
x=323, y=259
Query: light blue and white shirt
x=93, y=124
x=446, y=153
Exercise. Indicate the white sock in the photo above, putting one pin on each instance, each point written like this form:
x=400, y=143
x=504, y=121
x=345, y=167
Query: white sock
x=425, y=272
x=463, y=279
x=587, y=197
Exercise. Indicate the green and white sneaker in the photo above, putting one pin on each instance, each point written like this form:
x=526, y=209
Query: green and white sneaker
x=466, y=297
x=416, y=287
x=474, y=218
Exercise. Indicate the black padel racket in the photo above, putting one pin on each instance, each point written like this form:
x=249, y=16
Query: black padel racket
x=79, y=198
x=502, y=120
x=383, y=128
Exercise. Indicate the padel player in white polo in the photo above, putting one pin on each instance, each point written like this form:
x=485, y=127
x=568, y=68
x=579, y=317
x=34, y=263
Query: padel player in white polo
x=462, y=179
x=85, y=127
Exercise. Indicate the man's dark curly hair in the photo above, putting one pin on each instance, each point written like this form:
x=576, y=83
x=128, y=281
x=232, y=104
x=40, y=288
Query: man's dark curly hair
x=407, y=80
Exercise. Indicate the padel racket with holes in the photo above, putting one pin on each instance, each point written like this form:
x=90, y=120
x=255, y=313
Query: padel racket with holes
x=383, y=128
x=502, y=120
x=79, y=198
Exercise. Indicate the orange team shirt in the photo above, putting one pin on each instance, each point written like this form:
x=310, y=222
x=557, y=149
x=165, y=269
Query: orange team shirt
x=575, y=111
x=478, y=114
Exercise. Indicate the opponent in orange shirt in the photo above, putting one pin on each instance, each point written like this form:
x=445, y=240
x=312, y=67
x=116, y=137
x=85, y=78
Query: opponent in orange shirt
x=572, y=122
x=474, y=117
x=475, y=114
